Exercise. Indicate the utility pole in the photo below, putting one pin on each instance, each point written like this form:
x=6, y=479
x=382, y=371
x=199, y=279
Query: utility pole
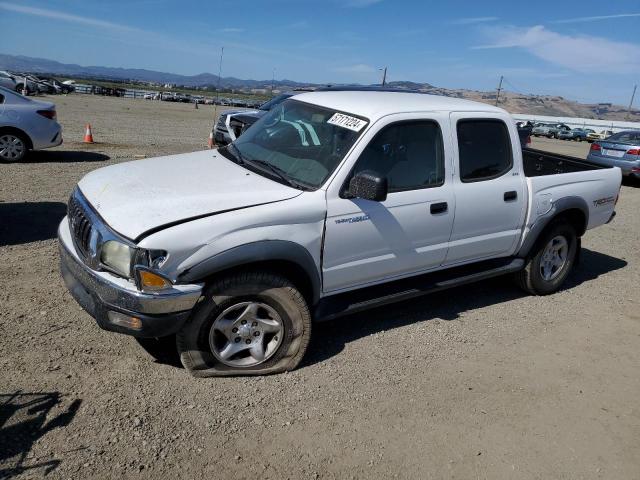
x=499, y=89
x=631, y=102
x=384, y=76
x=219, y=75
x=273, y=79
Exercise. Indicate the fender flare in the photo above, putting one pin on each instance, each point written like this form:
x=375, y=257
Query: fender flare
x=559, y=206
x=255, y=252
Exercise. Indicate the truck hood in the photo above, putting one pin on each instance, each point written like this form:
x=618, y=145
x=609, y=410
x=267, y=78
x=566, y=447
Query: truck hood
x=136, y=197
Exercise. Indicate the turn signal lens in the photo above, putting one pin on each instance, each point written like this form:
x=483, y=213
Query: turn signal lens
x=595, y=147
x=152, y=281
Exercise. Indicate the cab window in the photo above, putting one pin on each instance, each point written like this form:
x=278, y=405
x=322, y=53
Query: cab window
x=409, y=154
x=484, y=148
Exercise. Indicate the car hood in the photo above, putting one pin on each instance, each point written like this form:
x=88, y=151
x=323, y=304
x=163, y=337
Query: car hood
x=137, y=197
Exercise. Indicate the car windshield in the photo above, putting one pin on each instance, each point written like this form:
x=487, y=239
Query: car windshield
x=275, y=101
x=298, y=143
x=631, y=138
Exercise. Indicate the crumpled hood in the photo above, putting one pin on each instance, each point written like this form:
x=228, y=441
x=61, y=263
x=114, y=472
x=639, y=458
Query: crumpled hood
x=135, y=197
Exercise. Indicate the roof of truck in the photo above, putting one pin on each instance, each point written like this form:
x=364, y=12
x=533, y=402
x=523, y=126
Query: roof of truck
x=376, y=104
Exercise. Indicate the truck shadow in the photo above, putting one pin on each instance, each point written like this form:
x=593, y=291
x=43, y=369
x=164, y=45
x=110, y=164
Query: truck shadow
x=330, y=338
x=24, y=419
x=65, y=156
x=26, y=222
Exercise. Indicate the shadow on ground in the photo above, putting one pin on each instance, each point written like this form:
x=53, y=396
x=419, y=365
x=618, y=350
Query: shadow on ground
x=329, y=338
x=24, y=419
x=29, y=221
x=65, y=156
x=631, y=182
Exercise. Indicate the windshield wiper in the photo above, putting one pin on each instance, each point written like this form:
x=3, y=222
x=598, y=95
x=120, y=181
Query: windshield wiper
x=279, y=173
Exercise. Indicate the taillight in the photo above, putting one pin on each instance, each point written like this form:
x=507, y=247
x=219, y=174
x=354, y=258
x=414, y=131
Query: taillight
x=633, y=151
x=50, y=114
x=529, y=140
x=595, y=147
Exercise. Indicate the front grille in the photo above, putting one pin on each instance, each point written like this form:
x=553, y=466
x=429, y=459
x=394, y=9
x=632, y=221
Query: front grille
x=80, y=225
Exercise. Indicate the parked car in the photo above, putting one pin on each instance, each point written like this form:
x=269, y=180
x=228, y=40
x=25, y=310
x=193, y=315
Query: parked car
x=23, y=82
x=578, y=134
x=549, y=130
x=7, y=81
x=149, y=96
x=593, y=136
x=232, y=123
x=26, y=124
x=331, y=203
x=619, y=150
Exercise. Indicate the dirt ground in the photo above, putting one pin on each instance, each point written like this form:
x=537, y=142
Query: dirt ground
x=478, y=382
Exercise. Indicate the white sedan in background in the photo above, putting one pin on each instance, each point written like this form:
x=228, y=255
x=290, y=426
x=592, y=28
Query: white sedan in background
x=26, y=124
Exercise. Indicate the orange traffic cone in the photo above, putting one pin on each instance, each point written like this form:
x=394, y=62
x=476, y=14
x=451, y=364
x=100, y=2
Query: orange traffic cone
x=88, y=136
x=210, y=142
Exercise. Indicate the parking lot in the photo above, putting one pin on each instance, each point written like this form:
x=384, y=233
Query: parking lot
x=480, y=382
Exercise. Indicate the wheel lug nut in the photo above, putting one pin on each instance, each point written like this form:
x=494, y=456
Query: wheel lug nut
x=234, y=330
x=247, y=341
x=237, y=339
x=254, y=324
x=243, y=322
x=256, y=334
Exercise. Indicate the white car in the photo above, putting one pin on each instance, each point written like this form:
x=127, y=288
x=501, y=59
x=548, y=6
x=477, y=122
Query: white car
x=331, y=203
x=26, y=124
x=7, y=81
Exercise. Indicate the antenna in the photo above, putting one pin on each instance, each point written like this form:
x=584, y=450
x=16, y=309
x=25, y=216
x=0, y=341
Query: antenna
x=384, y=75
x=219, y=75
x=631, y=102
x=499, y=89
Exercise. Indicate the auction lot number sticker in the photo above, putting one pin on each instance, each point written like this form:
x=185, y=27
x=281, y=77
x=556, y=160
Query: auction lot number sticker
x=346, y=121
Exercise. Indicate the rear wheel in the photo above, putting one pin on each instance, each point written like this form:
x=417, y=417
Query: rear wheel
x=552, y=261
x=248, y=324
x=13, y=147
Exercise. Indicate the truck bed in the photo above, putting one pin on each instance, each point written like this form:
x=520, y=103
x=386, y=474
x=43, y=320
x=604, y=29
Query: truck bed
x=538, y=163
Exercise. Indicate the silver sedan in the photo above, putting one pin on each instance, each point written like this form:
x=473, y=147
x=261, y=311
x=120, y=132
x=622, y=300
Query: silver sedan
x=619, y=150
x=26, y=124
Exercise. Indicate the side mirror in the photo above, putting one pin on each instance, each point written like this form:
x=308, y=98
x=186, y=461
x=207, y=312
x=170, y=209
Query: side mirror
x=368, y=185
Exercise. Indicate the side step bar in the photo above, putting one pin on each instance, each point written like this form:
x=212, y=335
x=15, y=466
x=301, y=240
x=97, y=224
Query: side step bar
x=356, y=301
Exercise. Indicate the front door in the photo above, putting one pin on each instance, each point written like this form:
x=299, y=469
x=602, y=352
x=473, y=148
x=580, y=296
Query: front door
x=367, y=242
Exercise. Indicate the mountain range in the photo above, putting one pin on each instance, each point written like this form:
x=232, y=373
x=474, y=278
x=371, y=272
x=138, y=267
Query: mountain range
x=511, y=101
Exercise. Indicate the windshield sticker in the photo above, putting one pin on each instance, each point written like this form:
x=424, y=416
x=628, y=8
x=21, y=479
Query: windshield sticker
x=346, y=121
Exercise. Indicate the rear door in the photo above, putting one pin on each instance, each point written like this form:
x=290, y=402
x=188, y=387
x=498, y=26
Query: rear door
x=367, y=242
x=489, y=187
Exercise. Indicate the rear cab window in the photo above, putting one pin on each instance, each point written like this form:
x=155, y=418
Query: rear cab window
x=484, y=149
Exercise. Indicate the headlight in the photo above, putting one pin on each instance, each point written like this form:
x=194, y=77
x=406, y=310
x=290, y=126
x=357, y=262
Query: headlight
x=117, y=256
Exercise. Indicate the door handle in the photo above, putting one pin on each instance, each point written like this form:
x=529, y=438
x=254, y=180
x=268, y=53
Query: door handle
x=510, y=196
x=438, y=207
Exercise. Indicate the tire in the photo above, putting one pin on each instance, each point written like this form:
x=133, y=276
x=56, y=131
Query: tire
x=260, y=309
x=14, y=146
x=532, y=279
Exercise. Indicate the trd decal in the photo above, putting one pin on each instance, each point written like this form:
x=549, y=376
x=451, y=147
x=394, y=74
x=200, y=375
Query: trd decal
x=603, y=201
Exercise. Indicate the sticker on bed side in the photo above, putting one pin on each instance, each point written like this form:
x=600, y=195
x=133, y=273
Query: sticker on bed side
x=346, y=121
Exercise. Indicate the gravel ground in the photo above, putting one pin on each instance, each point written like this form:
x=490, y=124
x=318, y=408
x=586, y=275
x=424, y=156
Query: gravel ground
x=480, y=382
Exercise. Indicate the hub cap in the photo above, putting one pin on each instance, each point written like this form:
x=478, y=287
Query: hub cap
x=554, y=258
x=11, y=147
x=246, y=334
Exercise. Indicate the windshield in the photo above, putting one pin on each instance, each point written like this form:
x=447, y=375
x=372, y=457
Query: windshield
x=304, y=143
x=275, y=101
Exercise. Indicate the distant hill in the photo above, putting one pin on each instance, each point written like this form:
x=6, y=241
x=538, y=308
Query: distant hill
x=513, y=102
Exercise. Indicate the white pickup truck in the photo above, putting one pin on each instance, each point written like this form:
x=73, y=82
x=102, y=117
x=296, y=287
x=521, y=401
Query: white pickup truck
x=331, y=203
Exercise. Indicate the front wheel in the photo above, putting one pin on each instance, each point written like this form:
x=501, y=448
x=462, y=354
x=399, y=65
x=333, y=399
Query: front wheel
x=249, y=323
x=552, y=261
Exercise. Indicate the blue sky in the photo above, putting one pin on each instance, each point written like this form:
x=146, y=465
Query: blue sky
x=587, y=50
